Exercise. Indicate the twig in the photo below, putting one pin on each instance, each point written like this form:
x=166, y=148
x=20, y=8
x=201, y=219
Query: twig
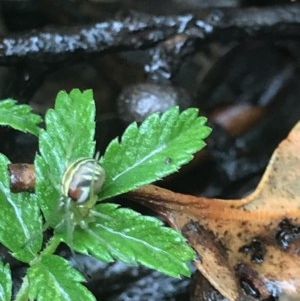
x=138, y=31
x=22, y=177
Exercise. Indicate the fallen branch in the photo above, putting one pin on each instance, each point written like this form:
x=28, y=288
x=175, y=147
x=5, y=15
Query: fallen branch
x=140, y=31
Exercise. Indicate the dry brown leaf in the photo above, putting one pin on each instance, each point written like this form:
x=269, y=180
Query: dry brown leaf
x=254, y=241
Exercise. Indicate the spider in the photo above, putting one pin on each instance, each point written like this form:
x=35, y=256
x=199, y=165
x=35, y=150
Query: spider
x=81, y=182
x=82, y=179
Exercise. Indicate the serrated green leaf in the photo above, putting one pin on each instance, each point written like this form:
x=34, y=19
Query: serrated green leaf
x=5, y=282
x=159, y=147
x=20, y=221
x=52, y=278
x=69, y=135
x=19, y=117
x=123, y=234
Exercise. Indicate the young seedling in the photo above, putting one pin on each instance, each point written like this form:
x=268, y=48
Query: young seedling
x=71, y=188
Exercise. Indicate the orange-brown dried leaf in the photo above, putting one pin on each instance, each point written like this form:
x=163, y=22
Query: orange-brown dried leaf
x=262, y=218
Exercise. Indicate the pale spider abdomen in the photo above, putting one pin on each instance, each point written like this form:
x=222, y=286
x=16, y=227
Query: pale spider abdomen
x=83, y=176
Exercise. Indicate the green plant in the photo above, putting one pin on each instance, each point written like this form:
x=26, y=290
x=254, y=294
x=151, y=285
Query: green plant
x=145, y=153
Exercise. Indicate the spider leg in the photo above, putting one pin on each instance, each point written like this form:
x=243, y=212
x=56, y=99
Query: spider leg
x=99, y=214
x=112, y=249
x=54, y=213
x=69, y=222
